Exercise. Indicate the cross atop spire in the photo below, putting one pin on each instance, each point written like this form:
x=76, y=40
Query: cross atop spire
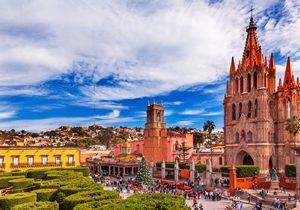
x=251, y=11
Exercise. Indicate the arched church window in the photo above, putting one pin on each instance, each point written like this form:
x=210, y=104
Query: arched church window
x=236, y=85
x=237, y=137
x=249, y=136
x=249, y=83
x=249, y=109
x=220, y=161
x=255, y=80
x=176, y=145
x=289, y=109
x=240, y=109
x=242, y=84
x=243, y=135
x=158, y=116
x=256, y=108
x=265, y=80
x=233, y=112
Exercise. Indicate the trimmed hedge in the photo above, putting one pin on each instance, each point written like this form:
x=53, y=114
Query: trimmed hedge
x=21, y=183
x=200, y=168
x=84, y=170
x=149, y=202
x=5, y=174
x=45, y=194
x=43, y=205
x=19, y=173
x=290, y=170
x=84, y=197
x=53, y=184
x=96, y=204
x=183, y=165
x=37, y=174
x=4, y=180
x=242, y=170
x=10, y=200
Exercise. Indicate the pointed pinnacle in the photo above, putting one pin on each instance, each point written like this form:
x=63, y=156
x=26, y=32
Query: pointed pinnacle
x=272, y=62
x=232, y=67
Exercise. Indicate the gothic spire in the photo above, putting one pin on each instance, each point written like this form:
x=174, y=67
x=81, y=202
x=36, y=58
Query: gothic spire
x=252, y=51
x=232, y=67
x=288, y=73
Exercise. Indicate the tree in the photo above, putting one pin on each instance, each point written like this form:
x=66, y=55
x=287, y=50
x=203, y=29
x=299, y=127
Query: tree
x=293, y=127
x=143, y=175
x=198, y=138
x=184, y=151
x=209, y=126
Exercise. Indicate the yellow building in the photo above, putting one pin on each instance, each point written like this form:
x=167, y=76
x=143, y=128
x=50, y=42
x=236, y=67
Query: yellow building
x=26, y=158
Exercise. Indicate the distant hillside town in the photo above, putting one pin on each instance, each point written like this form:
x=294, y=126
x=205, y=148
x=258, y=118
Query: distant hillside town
x=88, y=137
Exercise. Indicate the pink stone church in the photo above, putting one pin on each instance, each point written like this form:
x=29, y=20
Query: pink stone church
x=255, y=110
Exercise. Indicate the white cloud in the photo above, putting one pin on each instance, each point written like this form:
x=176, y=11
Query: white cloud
x=212, y=113
x=184, y=123
x=149, y=48
x=111, y=115
x=5, y=115
x=192, y=111
x=168, y=112
x=175, y=103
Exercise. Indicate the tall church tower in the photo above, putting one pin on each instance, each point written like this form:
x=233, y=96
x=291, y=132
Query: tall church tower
x=288, y=100
x=155, y=134
x=248, y=108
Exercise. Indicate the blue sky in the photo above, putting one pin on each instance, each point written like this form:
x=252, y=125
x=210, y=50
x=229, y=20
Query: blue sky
x=59, y=59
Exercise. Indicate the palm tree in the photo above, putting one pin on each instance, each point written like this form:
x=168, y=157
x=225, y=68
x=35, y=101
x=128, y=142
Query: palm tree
x=209, y=126
x=293, y=127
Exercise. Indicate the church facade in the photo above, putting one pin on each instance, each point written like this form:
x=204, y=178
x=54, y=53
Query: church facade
x=255, y=110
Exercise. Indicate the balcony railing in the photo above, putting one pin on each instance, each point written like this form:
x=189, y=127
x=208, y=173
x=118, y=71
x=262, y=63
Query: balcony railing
x=34, y=165
x=71, y=163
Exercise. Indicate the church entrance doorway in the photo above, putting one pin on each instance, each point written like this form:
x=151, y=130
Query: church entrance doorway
x=270, y=163
x=248, y=160
x=243, y=158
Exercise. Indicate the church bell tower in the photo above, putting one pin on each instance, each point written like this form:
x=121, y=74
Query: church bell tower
x=155, y=134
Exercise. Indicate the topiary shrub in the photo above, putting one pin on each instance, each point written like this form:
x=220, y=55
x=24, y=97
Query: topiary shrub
x=96, y=204
x=85, y=171
x=10, y=200
x=4, y=180
x=200, y=167
x=45, y=194
x=148, y=201
x=5, y=174
x=53, y=184
x=242, y=170
x=60, y=197
x=20, y=183
x=43, y=205
x=225, y=171
x=19, y=173
x=84, y=197
x=53, y=176
x=290, y=170
x=37, y=174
